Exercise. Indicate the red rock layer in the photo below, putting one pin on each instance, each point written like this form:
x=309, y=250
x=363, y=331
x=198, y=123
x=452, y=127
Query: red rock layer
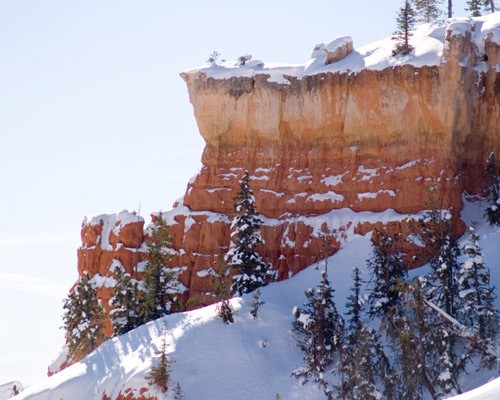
x=328, y=154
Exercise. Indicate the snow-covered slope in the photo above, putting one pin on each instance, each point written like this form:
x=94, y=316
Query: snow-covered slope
x=250, y=358
x=489, y=391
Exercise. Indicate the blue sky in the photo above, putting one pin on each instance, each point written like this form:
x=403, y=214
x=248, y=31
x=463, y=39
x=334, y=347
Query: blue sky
x=94, y=118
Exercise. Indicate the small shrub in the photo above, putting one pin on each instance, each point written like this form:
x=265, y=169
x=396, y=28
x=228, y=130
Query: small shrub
x=242, y=60
x=213, y=58
x=159, y=374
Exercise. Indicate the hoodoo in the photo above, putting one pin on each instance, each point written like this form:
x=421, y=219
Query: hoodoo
x=352, y=140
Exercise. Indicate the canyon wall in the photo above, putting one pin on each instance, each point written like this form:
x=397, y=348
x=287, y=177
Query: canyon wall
x=329, y=154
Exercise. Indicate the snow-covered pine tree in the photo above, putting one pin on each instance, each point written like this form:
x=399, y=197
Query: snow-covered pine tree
x=83, y=319
x=364, y=366
x=427, y=10
x=388, y=271
x=479, y=311
x=159, y=374
x=443, y=288
x=251, y=271
x=318, y=329
x=421, y=348
x=405, y=22
x=493, y=190
x=127, y=313
x=159, y=284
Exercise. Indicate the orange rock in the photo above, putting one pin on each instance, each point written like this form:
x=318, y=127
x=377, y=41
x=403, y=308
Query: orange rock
x=403, y=138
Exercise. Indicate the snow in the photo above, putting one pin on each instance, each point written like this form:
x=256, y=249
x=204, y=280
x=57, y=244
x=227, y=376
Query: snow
x=333, y=180
x=427, y=39
x=328, y=196
x=373, y=195
x=337, y=43
x=7, y=389
x=99, y=281
x=407, y=165
x=489, y=391
x=112, y=223
x=258, y=356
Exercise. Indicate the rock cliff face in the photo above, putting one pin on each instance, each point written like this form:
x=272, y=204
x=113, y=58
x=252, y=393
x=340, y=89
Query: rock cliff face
x=331, y=153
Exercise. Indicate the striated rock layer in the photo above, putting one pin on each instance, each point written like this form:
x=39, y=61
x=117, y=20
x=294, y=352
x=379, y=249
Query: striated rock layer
x=329, y=154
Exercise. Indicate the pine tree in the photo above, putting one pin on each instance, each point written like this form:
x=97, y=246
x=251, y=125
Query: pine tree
x=475, y=6
x=256, y=304
x=491, y=5
x=159, y=284
x=388, y=271
x=364, y=364
x=222, y=291
x=83, y=319
x=405, y=23
x=159, y=374
x=443, y=289
x=493, y=190
x=427, y=10
x=126, y=314
x=479, y=311
x=421, y=347
x=251, y=271
x=178, y=392
x=319, y=329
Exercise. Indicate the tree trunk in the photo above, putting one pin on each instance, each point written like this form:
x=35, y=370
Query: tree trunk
x=450, y=8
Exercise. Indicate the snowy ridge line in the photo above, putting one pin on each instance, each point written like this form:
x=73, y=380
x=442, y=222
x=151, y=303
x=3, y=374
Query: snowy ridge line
x=428, y=40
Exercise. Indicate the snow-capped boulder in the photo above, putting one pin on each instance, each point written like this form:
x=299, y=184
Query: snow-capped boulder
x=338, y=49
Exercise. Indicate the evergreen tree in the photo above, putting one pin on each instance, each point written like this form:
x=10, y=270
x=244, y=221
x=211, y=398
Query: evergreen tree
x=493, y=190
x=405, y=22
x=475, y=6
x=178, y=392
x=251, y=271
x=427, y=10
x=159, y=284
x=256, y=304
x=443, y=288
x=479, y=311
x=83, y=319
x=159, y=374
x=491, y=5
x=319, y=329
x=388, y=271
x=421, y=348
x=222, y=292
x=126, y=314
x=364, y=364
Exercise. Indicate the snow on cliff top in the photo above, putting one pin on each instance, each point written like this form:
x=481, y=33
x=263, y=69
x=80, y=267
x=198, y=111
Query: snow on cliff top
x=428, y=41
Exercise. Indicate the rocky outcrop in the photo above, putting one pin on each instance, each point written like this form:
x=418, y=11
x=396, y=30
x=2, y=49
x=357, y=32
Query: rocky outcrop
x=330, y=154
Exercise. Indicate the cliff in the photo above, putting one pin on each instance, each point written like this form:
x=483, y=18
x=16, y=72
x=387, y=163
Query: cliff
x=351, y=140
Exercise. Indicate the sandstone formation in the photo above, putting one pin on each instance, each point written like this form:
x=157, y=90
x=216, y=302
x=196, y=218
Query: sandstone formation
x=330, y=154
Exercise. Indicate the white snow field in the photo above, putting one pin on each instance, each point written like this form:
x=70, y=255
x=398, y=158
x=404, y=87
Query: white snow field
x=250, y=359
